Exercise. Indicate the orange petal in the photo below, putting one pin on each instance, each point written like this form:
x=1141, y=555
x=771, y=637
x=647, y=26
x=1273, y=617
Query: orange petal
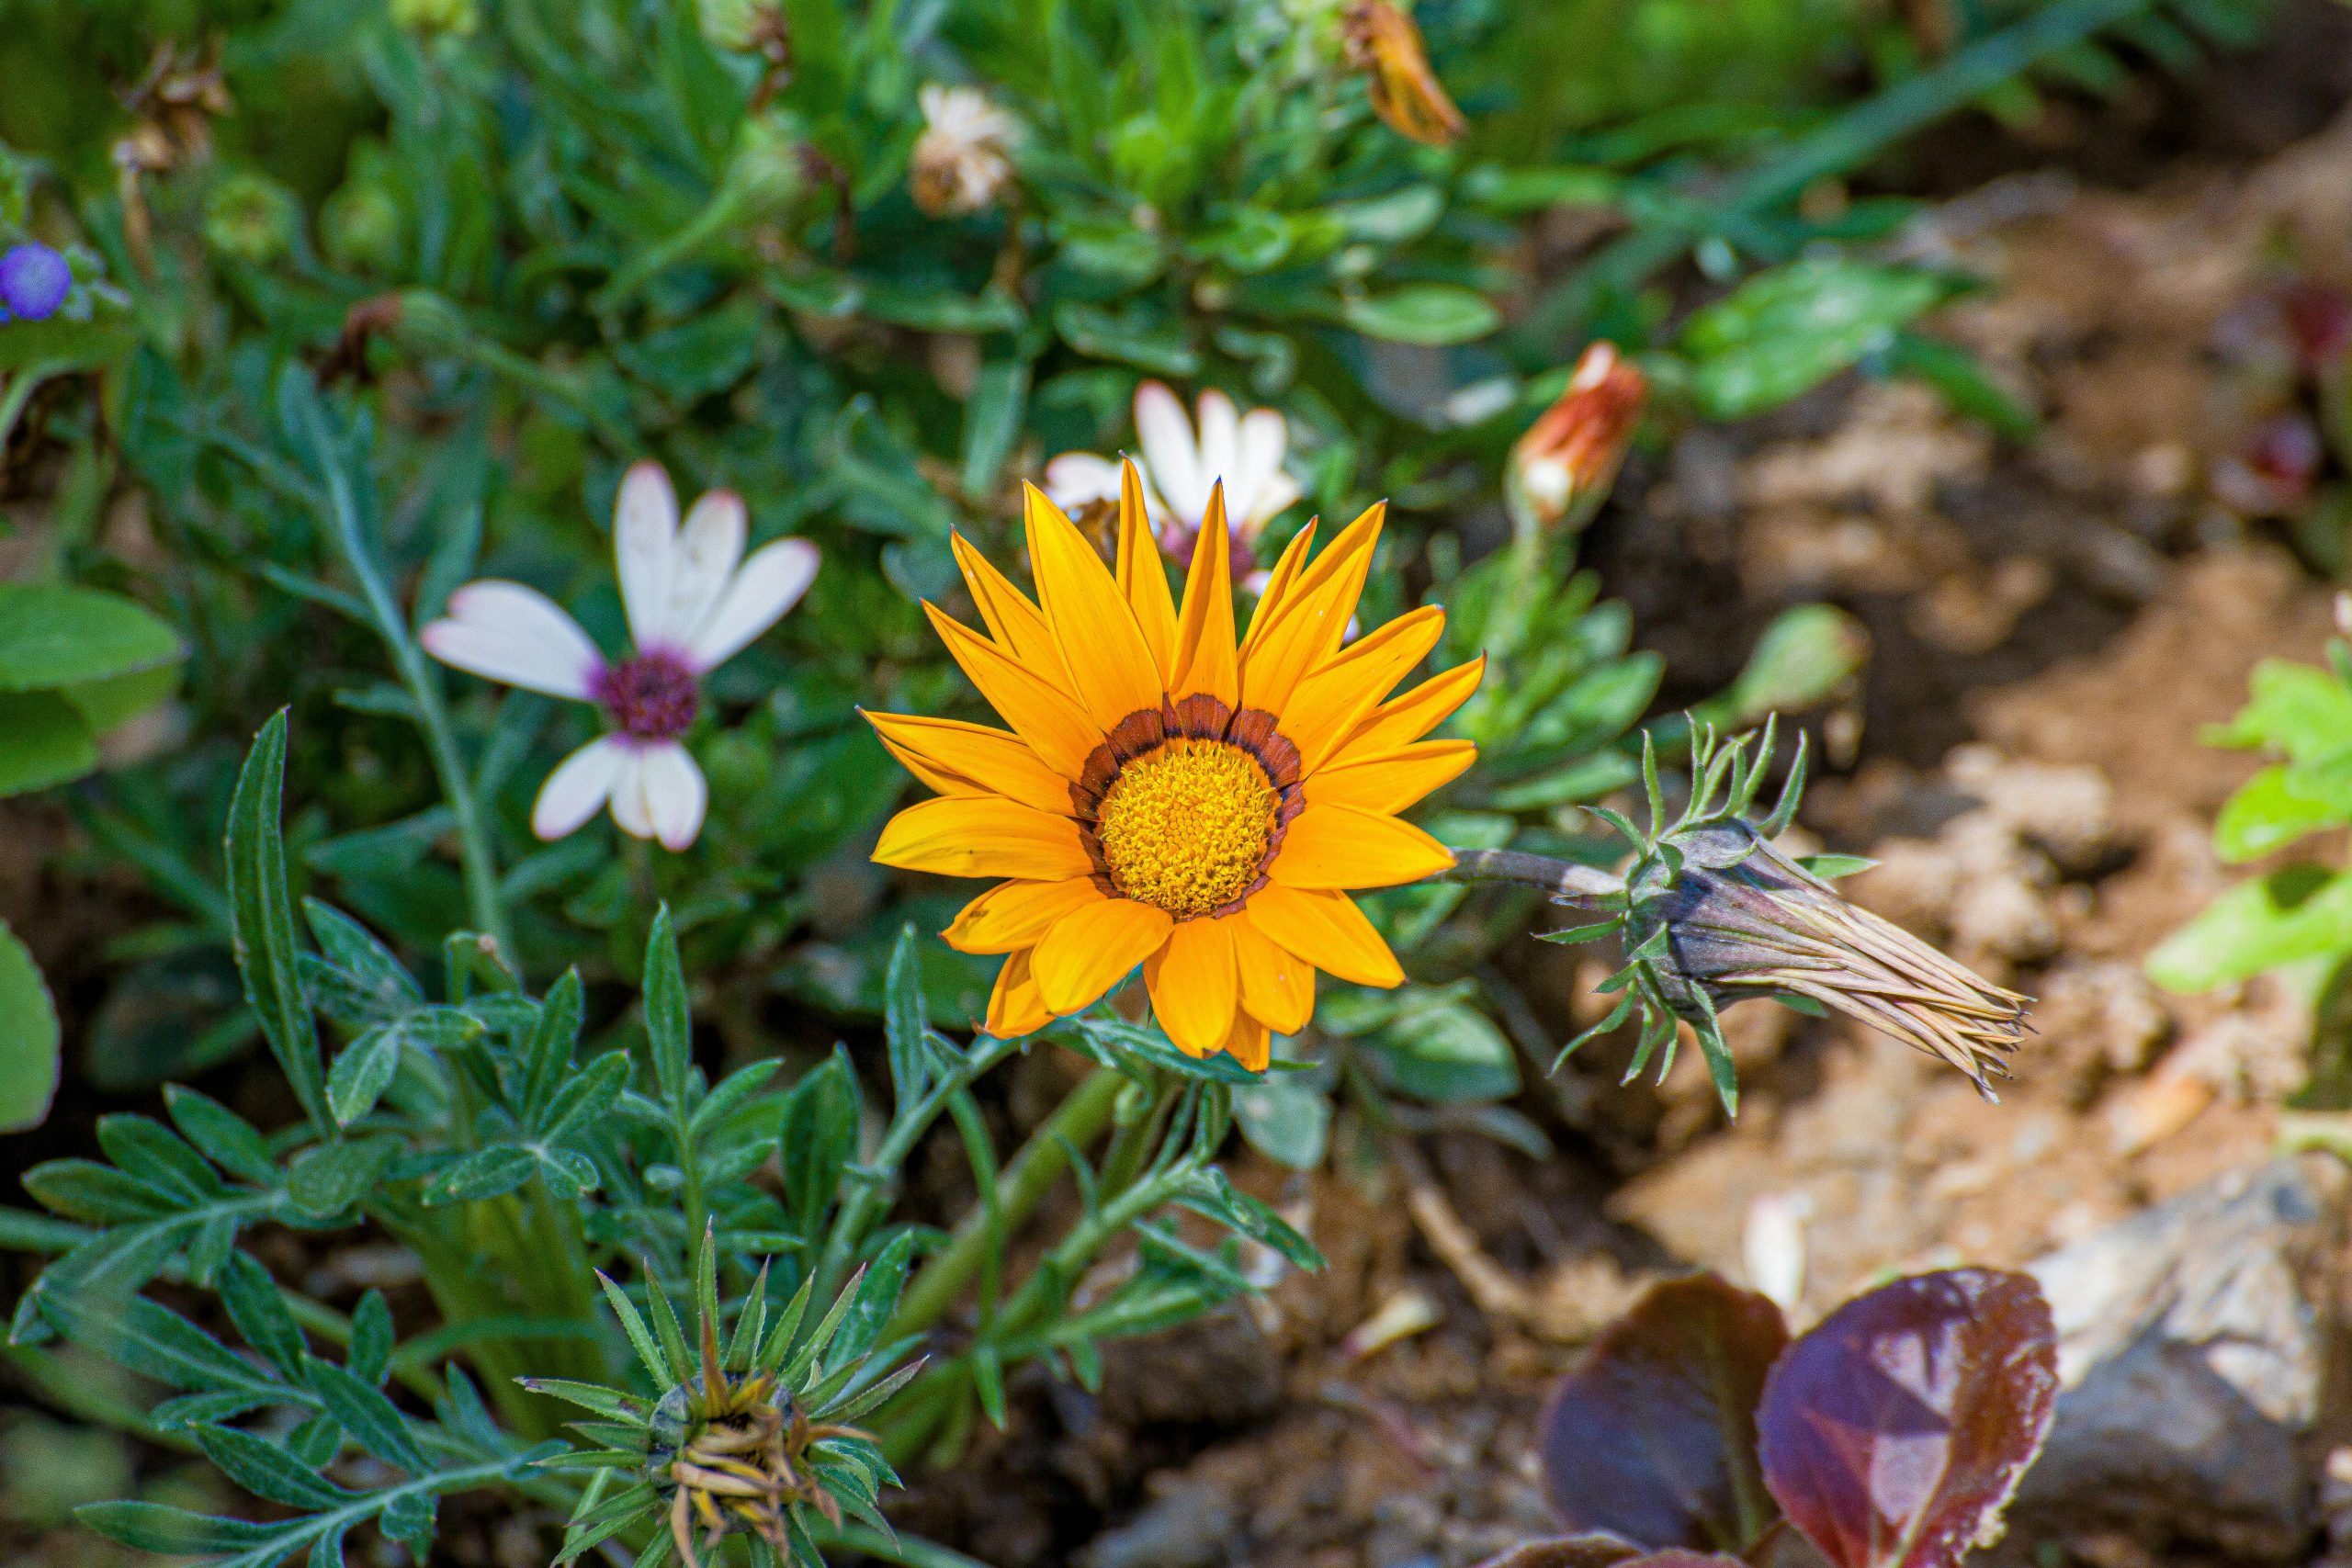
x=1308, y=628
x=954, y=758
x=1205, y=660
x=1391, y=781
x=1143, y=577
x=1337, y=694
x=1405, y=719
x=1015, y=1008
x=984, y=835
x=1328, y=931
x=1093, y=948
x=1344, y=846
x=1039, y=712
x=1279, y=581
x=1017, y=914
x=1194, y=987
x=1018, y=626
x=1248, y=1043
x=1111, y=667
x=1277, y=985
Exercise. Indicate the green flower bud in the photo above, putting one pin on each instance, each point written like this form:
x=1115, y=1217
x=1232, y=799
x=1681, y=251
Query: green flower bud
x=741, y=27
x=458, y=18
x=250, y=218
x=767, y=170
x=365, y=227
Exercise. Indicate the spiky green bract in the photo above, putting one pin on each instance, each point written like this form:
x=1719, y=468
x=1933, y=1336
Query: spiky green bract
x=1713, y=914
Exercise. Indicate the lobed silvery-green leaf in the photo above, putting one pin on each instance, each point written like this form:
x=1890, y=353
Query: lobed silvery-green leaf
x=329, y=1179
x=1212, y=1195
x=263, y=923
x=370, y=1418
x=907, y=1022
x=817, y=1138
x=668, y=1020
x=261, y=1314
x=267, y=1471
x=151, y=1339
x=369, y=1355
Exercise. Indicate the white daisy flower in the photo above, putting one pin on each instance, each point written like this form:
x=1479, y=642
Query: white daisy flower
x=1180, y=468
x=959, y=161
x=694, y=602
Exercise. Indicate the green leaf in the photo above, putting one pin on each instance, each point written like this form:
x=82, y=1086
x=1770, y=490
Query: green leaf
x=1785, y=331
x=154, y=1341
x=2301, y=912
x=486, y=1173
x=668, y=1020
x=1439, y=1048
x=877, y=1300
x=2275, y=808
x=370, y=1354
x=267, y=1471
x=261, y=1314
x=155, y=1526
x=96, y=1194
x=221, y=1134
x=44, y=741
x=262, y=919
x=1804, y=657
x=362, y=1073
x=331, y=1178
x=907, y=1024
x=1285, y=1120
x=1432, y=314
x=54, y=635
x=362, y=1411
x=818, y=1138
x=1831, y=867
x=29, y=1038
x=2297, y=709
x=106, y=704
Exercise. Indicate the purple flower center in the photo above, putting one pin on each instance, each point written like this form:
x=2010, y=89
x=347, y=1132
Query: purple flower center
x=1181, y=541
x=34, y=281
x=650, y=696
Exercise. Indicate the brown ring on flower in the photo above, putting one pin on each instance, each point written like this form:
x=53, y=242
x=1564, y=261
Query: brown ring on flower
x=1150, y=736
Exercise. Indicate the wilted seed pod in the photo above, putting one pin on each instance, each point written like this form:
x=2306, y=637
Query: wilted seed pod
x=251, y=217
x=961, y=159
x=1739, y=921
x=1384, y=44
x=1562, y=469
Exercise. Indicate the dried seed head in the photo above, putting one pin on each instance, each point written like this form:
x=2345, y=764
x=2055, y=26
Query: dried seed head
x=730, y=1453
x=1383, y=43
x=1741, y=921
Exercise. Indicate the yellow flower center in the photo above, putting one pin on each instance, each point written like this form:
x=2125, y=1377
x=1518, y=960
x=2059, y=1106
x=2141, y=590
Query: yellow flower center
x=1187, y=827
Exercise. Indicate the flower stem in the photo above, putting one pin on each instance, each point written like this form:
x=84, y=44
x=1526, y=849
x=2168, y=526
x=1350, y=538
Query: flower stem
x=488, y=913
x=19, y=393
x=1028, y=1176
x=1568, y=882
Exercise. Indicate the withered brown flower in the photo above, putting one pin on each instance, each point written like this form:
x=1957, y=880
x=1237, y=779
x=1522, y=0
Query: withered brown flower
x=1384, y=42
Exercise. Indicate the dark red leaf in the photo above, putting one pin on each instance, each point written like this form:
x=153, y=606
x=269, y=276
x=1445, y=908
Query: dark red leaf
x=1893, y=1433
x=1654, y=1438
x=1600, y=1550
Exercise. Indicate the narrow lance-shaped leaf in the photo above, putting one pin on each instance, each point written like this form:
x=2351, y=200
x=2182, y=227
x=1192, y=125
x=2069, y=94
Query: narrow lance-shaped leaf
x=1894, y=1432
x=669, y=1024
x=261, y=921
x=907, y=1021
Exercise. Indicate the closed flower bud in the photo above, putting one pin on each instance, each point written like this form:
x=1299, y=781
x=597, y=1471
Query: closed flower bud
x=768, y=168
x=1383, y=43
x=1741, y=921
x=1562, y=469
x=251, y=217
x=456, y=17
x=961, y=160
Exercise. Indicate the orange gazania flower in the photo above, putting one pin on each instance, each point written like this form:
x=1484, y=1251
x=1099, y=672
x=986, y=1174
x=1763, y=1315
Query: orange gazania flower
x=1171, y=796
x=1384, y=44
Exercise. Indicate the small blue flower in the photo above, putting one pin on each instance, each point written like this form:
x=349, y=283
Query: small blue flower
x=33, y=282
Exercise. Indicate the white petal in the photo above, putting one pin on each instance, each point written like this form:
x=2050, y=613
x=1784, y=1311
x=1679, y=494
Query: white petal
x=708, y=549
x=629, y=810
x=771, y=583
x=675, y=794
x=581, y=784
x=504, y=631
x=1079, y=479
x=1169, y=452
x=1273, y=498
x=1220, y=442
x=645, y=537
x=1264, y=438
